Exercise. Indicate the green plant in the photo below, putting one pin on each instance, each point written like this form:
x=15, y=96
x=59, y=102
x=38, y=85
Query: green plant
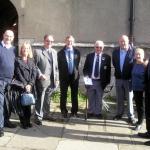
x=56, y=96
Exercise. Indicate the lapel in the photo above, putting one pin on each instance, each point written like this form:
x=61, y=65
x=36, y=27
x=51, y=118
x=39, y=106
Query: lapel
x=24, y=65
x=63, y=57
x=128, y=56
x=103, y=59
x=45, y=53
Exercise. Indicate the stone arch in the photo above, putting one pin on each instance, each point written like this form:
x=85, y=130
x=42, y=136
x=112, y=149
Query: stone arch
x=8, y=19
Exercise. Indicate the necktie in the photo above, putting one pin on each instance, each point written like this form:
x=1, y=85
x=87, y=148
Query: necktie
x=70, y=65
x=96, y=70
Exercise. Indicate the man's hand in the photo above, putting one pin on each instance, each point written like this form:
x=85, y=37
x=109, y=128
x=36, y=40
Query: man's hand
x=42, y=77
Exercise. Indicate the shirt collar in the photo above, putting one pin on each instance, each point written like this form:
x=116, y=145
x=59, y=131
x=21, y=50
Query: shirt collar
x=6, y=46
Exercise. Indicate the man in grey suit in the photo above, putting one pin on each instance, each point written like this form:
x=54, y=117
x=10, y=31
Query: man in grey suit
x=47, y=78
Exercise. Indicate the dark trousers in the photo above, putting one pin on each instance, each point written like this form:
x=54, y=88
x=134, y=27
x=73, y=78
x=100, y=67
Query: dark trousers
x=74, y=94
x=25, y=115
x=147, y=110
x=139, y=101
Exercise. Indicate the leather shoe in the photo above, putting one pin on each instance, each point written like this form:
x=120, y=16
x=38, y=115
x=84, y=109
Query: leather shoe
x=147, y=143
x=138, y=127
x=29, y=125
x=1, y=132
x=65, y=115
x=117, y=117
x=144, y=135
x=38, y=122
x=99, y=116
x=90, y=115
x=132, y=121
x=74, y=115
x=9, y=124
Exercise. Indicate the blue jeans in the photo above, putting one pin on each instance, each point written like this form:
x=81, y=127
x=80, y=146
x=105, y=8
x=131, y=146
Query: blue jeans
x=2, y=89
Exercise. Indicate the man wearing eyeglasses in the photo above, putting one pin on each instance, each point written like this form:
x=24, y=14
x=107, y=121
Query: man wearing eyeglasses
x=47, y=79
x=97, y=67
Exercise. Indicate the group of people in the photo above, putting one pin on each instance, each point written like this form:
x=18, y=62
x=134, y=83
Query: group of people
x=41, y=70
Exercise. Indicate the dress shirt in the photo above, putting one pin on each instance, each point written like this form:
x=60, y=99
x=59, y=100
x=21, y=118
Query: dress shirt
x=71, y=56
x=122, y=58
x=94, y=63
x=6, y=46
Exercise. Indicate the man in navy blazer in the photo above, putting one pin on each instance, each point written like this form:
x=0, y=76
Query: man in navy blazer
x=122, y=59
x=68, y=63
x=100, y=78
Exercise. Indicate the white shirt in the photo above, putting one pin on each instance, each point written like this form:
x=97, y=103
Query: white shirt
x=94, y=63
x=7, y=46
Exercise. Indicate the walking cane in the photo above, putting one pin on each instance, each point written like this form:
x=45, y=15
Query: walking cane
x=86, y=99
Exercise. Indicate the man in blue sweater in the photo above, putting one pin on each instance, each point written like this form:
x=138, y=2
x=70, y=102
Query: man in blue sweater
x=7, y=57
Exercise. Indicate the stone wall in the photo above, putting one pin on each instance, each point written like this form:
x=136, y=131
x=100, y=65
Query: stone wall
x=87, y=20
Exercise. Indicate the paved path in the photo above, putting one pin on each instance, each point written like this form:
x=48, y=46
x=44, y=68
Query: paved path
x=74, y=134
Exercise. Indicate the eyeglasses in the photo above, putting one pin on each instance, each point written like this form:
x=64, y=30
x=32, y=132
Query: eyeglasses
x=98, y=47
x=49, y=41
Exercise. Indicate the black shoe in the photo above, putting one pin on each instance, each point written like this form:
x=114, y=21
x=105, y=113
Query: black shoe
x=99, y=116
x=38, y=122
x=49, y=118
x=9, y=124
x=138, y=127
x=1, y=132
x=23, y=126
x=65, y=115
x=144, y=135
x=117, y=117
x=74, y=115
x=147, y=143
x=90, y=115
x=29, y=125
x=132, y=121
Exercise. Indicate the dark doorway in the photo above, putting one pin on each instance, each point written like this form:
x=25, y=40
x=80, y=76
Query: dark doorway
x=8, y=19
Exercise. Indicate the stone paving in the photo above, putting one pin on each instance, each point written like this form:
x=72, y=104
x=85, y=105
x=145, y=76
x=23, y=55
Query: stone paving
x=74, y=134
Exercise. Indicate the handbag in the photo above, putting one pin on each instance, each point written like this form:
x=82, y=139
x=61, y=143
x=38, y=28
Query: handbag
x=27, y=99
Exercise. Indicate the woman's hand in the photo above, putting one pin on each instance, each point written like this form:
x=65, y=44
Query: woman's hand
x=28, y=88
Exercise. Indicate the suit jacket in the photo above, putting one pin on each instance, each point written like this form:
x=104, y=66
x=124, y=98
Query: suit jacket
x=147, y=79
x=25, y=73
x=105, y=68
x=42, y=61
x=127, y=66
x=63, y=66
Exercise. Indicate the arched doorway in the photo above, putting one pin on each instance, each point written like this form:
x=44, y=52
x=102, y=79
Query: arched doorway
x=8, y=19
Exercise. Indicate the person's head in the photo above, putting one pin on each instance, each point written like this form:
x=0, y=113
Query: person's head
x=69, y=41
x=8, y=37
x=99, y=46
x=25, y=50
x=139, y=55
x=48, y=41
x=124, y=42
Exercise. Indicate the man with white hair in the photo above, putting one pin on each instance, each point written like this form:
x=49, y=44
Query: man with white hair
x=97, y=67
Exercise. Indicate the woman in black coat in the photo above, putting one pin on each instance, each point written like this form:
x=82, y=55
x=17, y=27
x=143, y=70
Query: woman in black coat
x=25, y=75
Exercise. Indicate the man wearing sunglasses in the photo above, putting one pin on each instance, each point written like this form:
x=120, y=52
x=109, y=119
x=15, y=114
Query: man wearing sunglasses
x=97, y=67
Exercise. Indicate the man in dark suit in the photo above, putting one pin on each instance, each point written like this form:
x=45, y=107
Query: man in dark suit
x=47, y=80
x=68, y=62
x=97, y=67
x=122, y=59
